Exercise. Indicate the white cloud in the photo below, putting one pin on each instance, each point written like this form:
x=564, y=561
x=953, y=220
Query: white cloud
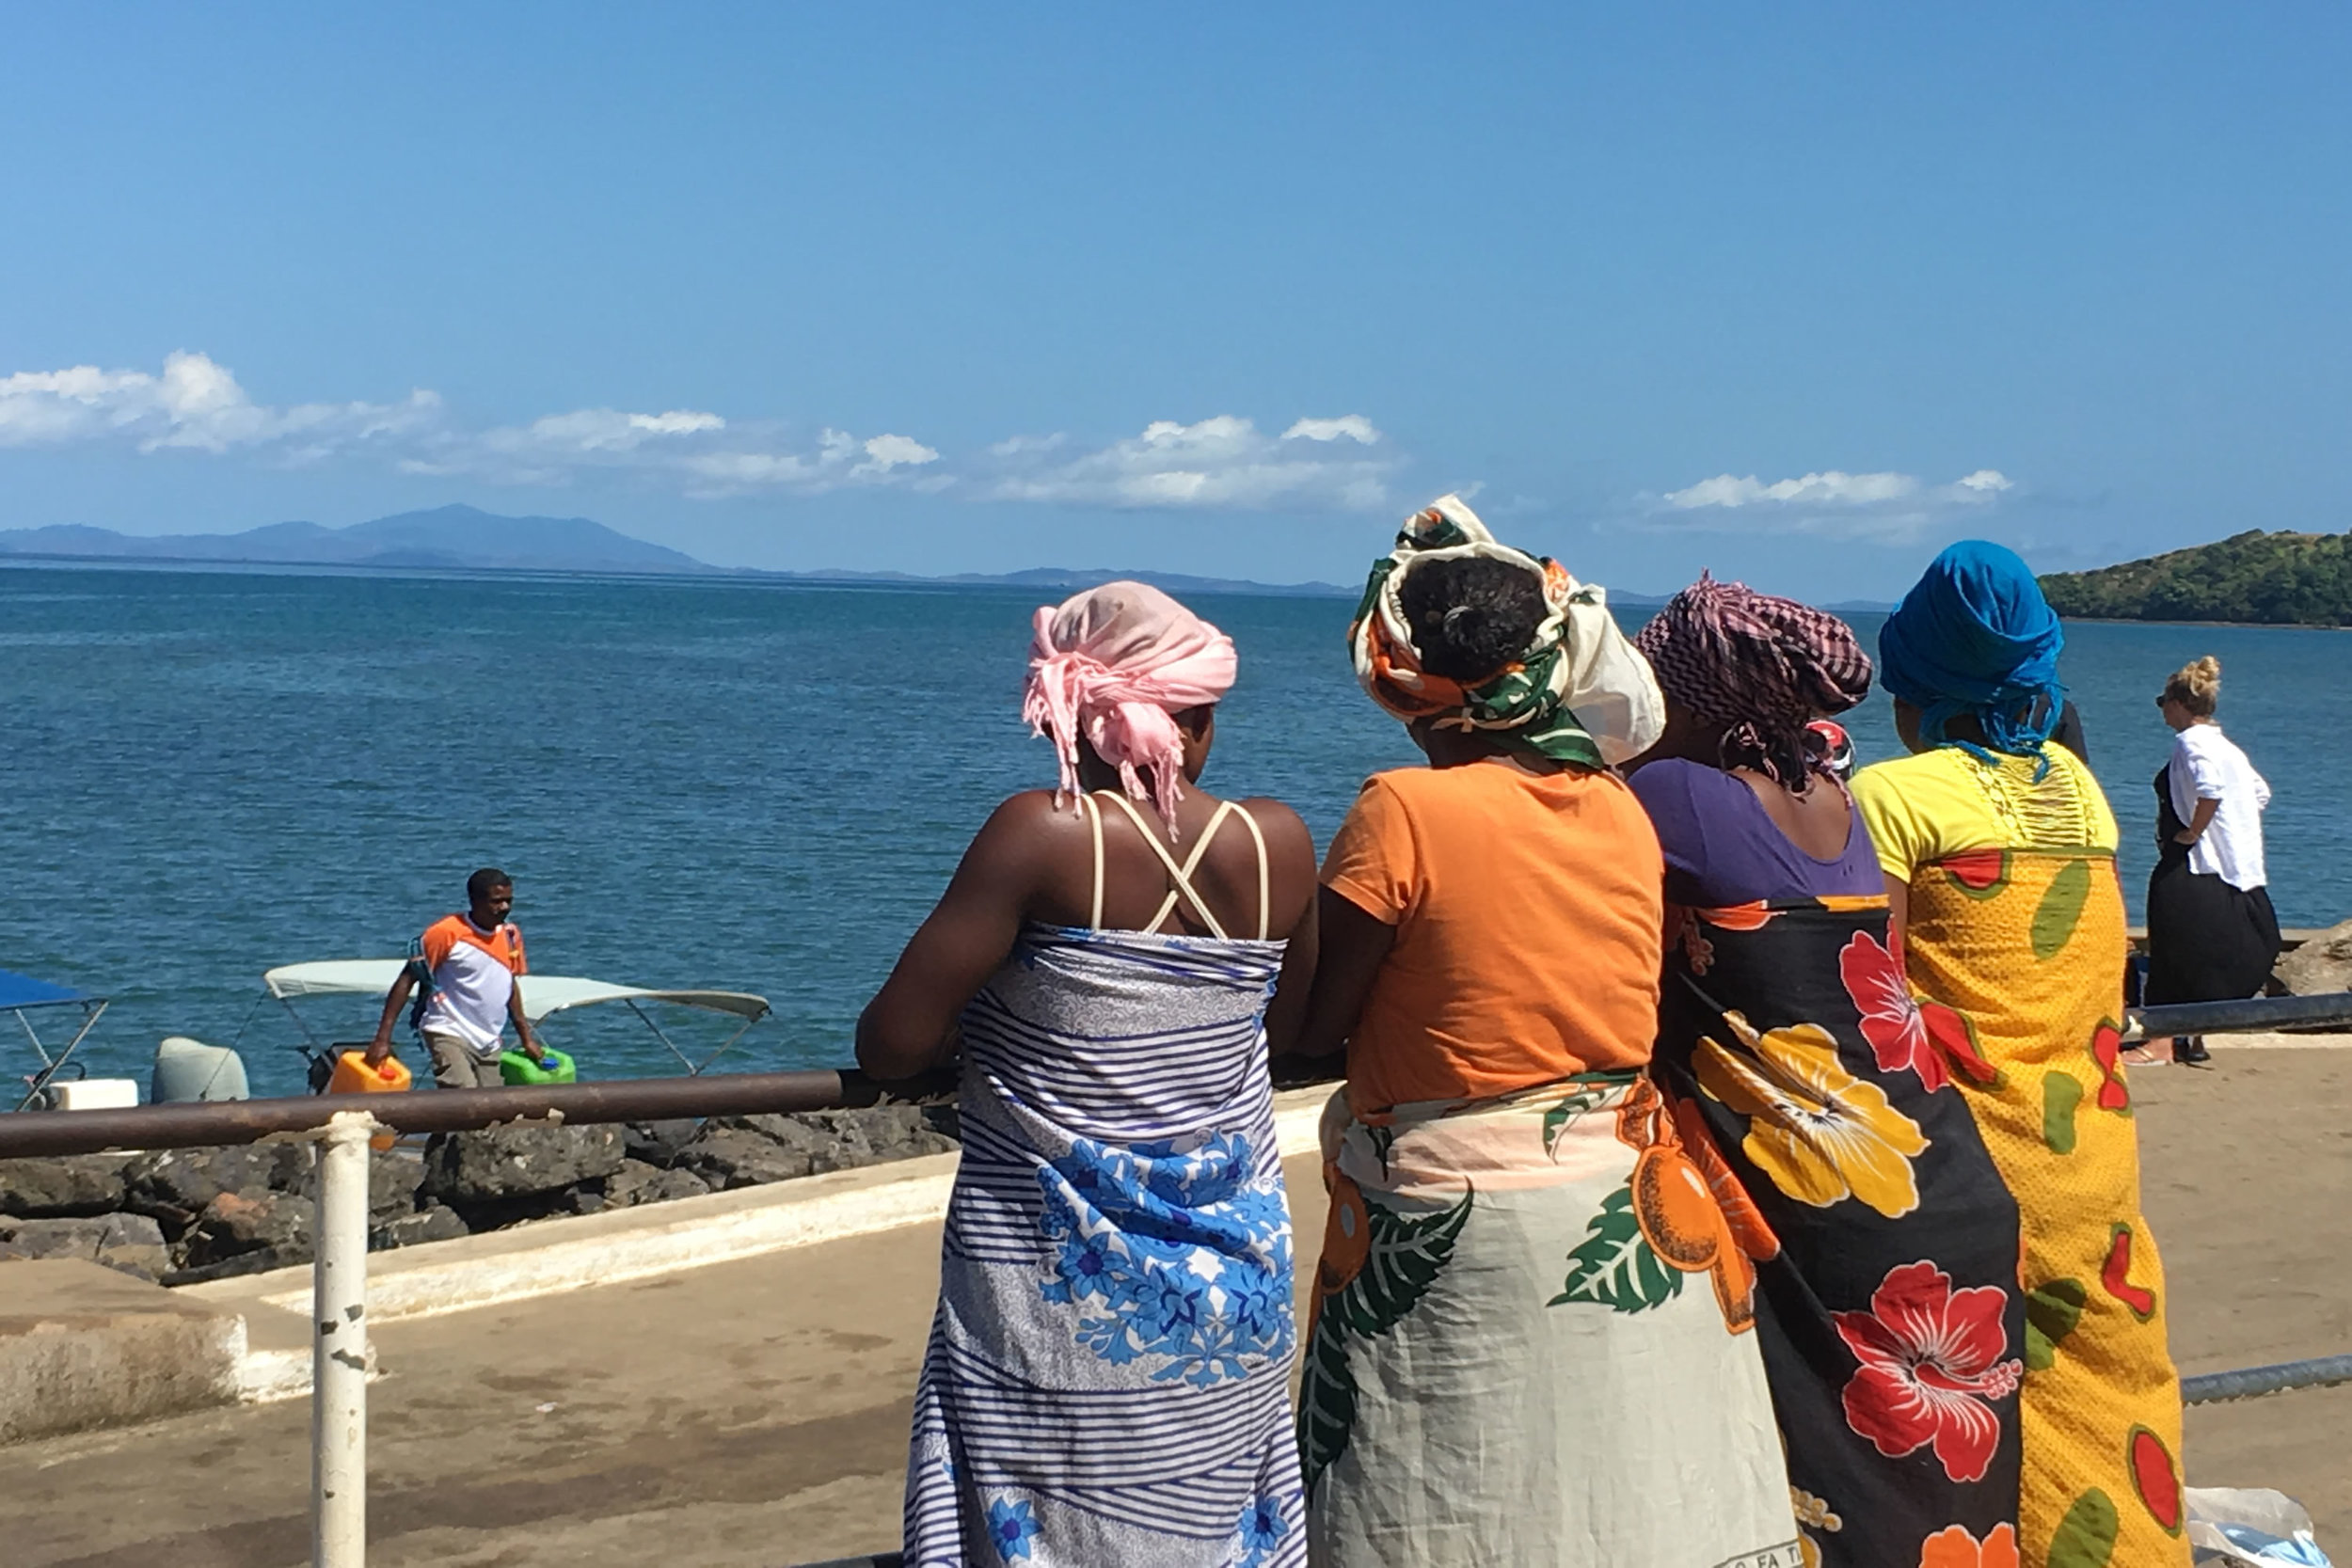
x=1352, y=427
x=591, y=432
x=1883, y=506
x=1221, y=462
x=677, y=421
x=194, y=403
x=706, y=455
x=1027, y=446
x=1834, y=488
x=886, y=453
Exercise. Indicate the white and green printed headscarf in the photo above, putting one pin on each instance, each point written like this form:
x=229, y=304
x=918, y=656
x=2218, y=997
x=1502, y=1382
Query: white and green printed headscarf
x=1581, y=693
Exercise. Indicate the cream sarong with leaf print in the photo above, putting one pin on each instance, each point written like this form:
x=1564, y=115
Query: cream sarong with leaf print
x=1528, y=1343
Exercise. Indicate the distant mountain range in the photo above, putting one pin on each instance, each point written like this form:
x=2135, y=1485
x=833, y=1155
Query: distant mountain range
x=1064, y=579
x=465, y=538
x=2275, y=579
x=449, y=536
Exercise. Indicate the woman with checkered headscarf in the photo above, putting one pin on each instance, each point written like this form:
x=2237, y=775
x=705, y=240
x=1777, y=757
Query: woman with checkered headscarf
x=1740, y=786
x=1790, y=1044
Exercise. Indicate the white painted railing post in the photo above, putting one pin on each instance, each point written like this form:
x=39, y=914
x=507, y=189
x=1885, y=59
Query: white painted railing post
x=339, y=1346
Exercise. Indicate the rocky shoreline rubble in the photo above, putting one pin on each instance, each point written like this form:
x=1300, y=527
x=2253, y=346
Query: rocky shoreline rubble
x=184, y=1215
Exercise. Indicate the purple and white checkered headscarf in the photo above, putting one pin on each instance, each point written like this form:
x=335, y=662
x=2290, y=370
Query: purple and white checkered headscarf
x=1763, y=665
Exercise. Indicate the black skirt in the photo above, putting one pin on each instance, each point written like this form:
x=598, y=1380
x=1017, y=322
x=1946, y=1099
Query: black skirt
x=2207, y=941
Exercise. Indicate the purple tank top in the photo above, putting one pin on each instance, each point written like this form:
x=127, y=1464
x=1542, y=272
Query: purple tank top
x=1723, y=848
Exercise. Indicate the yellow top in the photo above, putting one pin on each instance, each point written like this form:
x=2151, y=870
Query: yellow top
x=1920, y=809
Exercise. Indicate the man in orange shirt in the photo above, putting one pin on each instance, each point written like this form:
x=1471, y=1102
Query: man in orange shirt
x=472, y=965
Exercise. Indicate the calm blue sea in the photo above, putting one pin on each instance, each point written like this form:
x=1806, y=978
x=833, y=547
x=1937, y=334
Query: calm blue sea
x=738, y=786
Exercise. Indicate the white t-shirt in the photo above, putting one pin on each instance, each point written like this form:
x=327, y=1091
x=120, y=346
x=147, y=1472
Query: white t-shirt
x=473, y=980
x=2208, y=766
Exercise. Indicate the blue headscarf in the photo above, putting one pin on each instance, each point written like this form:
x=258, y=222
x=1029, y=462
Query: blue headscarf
x=1974, y=636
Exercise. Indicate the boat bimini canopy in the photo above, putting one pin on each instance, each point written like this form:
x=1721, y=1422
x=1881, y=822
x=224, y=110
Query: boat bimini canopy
x=544, y=995
x=20, y=994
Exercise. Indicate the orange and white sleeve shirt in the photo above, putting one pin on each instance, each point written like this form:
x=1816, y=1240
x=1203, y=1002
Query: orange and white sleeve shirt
x=473, y=979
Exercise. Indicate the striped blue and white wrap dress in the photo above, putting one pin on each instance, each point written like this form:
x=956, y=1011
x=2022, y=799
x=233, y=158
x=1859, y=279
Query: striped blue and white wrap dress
x=1107, y=1379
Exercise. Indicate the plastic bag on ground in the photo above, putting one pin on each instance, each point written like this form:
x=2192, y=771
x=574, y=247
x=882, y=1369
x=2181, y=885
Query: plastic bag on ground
x=2251, y=1525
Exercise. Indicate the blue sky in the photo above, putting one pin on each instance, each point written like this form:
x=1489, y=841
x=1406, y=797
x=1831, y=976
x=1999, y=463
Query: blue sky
x=1795, y=292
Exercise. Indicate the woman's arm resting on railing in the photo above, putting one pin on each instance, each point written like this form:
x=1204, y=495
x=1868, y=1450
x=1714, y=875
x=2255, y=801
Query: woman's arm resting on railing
x=1287, y=1012
x=910, y=1026
x=1293, y=897
x=1352, y=946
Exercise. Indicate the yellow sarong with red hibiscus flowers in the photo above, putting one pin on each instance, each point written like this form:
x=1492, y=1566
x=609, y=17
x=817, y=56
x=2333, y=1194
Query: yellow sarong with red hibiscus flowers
x=1530, y=1341
x=2026, y=946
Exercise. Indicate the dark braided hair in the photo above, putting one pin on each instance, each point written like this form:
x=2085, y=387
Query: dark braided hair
x=1473, y=615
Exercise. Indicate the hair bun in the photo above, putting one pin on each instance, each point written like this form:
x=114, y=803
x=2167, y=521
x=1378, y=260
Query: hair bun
x=2196, y=686
x=1471, y=616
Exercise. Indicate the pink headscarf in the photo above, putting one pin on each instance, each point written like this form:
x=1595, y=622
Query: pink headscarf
x=1112, y=664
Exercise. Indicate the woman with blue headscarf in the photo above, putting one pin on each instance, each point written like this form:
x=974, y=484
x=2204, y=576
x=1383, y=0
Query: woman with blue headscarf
x=1998, y=850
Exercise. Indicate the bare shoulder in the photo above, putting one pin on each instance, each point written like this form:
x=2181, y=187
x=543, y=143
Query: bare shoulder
x=1034, y=809
x=1284, y=829
x=1028, y=823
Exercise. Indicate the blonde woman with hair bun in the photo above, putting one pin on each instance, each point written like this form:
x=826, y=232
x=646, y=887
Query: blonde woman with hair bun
x=2212, y=934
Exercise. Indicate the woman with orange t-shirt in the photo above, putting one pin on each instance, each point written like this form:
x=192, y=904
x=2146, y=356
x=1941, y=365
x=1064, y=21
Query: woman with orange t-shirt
x=1528, y=1343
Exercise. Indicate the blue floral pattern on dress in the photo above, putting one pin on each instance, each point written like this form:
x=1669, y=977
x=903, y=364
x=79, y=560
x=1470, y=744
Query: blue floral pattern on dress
x=1009, y=1526
x=1259, y=1532
x=1187, y=1251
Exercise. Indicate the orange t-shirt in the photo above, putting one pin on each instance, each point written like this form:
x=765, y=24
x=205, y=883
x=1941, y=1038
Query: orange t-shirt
x=1528, y=911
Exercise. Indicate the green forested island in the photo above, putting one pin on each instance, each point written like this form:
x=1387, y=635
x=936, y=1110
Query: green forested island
x=2280, y=579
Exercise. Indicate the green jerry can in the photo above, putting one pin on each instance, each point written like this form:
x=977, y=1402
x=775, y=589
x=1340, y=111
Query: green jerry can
x=515, y=1067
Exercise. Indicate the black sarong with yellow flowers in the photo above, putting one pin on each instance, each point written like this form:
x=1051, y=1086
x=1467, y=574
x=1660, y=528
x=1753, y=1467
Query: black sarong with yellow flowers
x=1893, y=1330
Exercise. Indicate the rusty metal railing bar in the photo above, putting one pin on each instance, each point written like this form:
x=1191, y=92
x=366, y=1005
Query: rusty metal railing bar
x=244, y=1121
x=2255, y=1015
x=2245, y=1383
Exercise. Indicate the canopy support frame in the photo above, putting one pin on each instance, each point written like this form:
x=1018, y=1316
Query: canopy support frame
x=693, y=1069
x=93, y=1008
x=748, y=1024
x=684, y=1060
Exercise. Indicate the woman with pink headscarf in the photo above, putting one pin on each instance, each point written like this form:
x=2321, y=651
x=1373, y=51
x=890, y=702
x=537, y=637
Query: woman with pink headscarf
x=1109, y=1370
